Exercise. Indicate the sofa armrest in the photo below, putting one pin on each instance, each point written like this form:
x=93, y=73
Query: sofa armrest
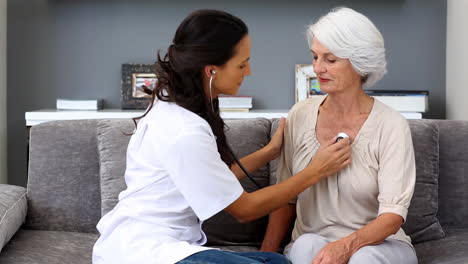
x=13, y=209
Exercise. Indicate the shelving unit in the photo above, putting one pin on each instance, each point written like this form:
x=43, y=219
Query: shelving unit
x=40, y=116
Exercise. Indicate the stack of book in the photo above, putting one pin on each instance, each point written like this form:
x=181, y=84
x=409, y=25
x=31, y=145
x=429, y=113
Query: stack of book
x=410, y=103
x=67, y=104
x=237, y=103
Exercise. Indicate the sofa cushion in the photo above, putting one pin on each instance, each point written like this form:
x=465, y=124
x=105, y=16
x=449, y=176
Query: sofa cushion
x=237, y=248
x=451, y=249
x=422, y=223
x=63, y=178
x=13, y=209
x=246, y=136
x=112, y=148
x=48, y=247
x=273, y=165
x=453, y=176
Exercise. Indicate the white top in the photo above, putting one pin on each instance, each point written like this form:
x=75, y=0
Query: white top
x=175, y=180
x=380, y=178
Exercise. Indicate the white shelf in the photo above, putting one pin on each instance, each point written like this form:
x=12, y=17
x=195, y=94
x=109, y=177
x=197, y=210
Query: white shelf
x=45, y=115
x=255, y=114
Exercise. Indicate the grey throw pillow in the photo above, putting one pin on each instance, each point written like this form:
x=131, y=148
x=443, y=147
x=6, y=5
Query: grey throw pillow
x=245, y=137
x=13, y=209
x=422, y=223
x=274, y=163
x=112, y=149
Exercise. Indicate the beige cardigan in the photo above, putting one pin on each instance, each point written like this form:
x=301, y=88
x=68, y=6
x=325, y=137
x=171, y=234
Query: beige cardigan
x=380, y=179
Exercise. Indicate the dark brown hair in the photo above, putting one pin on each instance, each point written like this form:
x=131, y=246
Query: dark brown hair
x=205, y=37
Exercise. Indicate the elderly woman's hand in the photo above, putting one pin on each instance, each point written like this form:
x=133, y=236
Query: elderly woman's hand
x=276, y=142
x=331, y=157
x=336, y=252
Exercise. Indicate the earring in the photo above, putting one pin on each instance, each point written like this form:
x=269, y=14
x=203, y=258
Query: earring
x=213, y=72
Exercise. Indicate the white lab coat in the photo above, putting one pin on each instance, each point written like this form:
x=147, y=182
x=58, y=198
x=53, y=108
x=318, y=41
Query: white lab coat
x=175, y=180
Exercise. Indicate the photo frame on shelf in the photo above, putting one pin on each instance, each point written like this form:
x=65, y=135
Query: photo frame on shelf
x=307, y=84
x=134, y=78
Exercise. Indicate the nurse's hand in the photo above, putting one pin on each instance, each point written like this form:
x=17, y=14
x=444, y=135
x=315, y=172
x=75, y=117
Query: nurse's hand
x=331, y=157
x=261, y=157
x=276, y=142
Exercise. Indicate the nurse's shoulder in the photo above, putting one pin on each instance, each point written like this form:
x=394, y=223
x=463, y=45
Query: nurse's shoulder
x=174, y=120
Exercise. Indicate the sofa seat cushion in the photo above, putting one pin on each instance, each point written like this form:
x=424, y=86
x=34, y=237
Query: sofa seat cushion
x=48, y=247
x=450, y=250
x=238, y=248
x=13, y=208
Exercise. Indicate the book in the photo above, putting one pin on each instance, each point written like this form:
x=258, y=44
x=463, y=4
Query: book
x=397, y=92
x=402, y=100
x=69, y=104
x=411, y=115
x=234, y=109
x=405, y=103
x=235, y=106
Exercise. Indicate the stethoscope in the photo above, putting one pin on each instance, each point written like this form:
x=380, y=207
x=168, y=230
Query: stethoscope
x=339, y=137
x=242, y=168
x=213, y=73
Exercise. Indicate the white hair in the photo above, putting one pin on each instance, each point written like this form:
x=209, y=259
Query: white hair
x=351, y=35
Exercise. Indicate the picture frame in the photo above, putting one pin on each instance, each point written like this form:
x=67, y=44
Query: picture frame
x=307, y=84
x=134, y=76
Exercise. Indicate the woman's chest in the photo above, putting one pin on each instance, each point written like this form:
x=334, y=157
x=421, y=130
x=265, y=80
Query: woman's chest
x=358, y=180
x=327, y=127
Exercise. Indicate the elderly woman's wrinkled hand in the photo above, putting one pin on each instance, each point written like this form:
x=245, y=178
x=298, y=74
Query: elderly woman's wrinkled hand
x=336, y=252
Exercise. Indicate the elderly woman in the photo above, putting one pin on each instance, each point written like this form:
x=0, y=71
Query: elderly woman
x=354, y=216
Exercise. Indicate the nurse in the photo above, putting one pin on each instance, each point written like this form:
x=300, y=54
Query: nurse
x=180, y=171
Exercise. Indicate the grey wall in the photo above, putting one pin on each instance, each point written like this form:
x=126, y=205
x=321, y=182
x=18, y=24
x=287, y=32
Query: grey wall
x=74, y=49
x=457, y=60
x=3, y=89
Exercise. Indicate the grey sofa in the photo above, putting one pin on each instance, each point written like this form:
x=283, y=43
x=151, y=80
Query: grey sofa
x=76, y=172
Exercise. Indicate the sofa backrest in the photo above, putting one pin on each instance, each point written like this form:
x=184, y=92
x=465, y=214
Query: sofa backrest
x=453, y=173
x=63, y=177
x=68, y=161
